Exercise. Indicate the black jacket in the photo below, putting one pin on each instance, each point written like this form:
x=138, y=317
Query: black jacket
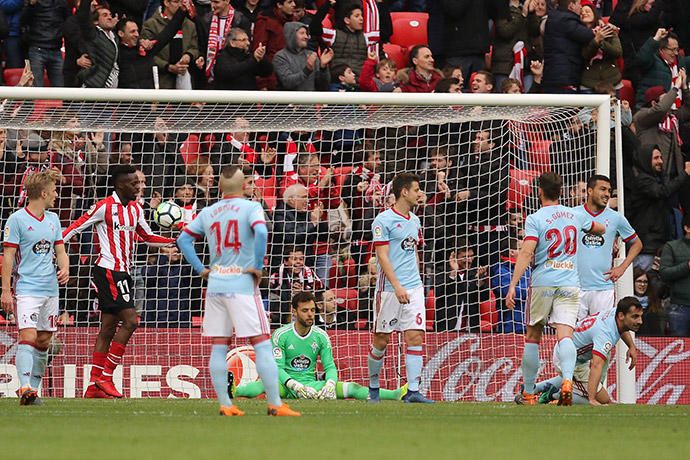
x=461, y=27
x=237, y=70
x=135, y=69
x=650, y=213
x=73, y=50
x=564, y=38
x=44, y=21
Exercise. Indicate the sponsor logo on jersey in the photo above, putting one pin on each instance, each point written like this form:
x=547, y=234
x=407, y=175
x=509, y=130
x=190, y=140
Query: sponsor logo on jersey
x=408, y=244
x=34, y=317
x=560, y=265
x=91, y=210
x=607, y=347
x=291, y=347
x=300, y=363
x=41, y=248
x=393, y=322
x=7, y=232
x=378, y=231
x=277, y=353
x=592, y=241
x=227, y=270
x=118, y=227
x=30, y=228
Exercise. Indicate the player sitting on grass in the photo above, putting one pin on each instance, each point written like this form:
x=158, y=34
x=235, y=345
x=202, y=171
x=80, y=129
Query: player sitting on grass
x=296, y=348
x=32, y=236
x=595, y=337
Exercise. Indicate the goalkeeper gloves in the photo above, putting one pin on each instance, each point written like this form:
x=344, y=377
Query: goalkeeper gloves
x=328, y=390
x=302, y=391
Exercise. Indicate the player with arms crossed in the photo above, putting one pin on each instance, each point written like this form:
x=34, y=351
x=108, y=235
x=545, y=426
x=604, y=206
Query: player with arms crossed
x=119, y=222
x=594, y=264
x=296, y=349
x=595, y=338
x=399, y=292
x=236, y=232
x=33, y=237
x=551, y=236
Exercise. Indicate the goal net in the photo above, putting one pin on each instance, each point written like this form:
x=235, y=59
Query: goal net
x=321, y=166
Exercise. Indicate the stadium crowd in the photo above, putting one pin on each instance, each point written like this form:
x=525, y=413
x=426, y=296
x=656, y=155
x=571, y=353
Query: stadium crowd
x=321, y=190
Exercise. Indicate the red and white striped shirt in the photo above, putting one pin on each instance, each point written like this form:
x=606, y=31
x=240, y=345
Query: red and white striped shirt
x=118, y=227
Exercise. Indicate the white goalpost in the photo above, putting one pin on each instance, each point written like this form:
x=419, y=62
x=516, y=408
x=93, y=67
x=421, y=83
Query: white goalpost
x=477, y=156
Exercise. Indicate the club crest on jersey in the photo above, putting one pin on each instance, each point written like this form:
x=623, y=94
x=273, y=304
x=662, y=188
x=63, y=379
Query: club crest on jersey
x=41, y=248
x=125, y=297
x=408, y=244
x=34, y=317
x=313, y=346
x=592, y=241
x=300, y=363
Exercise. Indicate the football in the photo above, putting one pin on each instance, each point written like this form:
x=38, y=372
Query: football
x=167, y=214
x=241, y=363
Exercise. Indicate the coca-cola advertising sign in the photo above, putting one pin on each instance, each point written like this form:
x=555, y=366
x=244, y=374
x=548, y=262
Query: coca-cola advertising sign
x=172, y=363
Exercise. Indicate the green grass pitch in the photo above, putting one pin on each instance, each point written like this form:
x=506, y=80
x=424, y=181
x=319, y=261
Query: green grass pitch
x=192, y=430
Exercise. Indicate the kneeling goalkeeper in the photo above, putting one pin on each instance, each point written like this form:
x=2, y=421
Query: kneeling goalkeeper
x=296, y=348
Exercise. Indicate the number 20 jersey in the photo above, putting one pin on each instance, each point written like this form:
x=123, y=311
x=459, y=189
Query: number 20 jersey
x=555, y=229
x=228, y=227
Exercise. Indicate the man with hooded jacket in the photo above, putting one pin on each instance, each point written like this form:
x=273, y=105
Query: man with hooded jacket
x=653, y=196
x=297, y=68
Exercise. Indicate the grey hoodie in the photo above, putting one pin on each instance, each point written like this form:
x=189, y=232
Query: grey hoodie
x=290, y=64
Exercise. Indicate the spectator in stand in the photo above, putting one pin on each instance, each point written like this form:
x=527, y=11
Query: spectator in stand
x=647, y=293
x=99, y=61
x=204, y=178
x=297, y=68
x=291, y=277
x=317, y=179
x=659, y=124
x=458, y=290
x=651, y=212
x=448, y=85
x=250, y=13
x=251, y=192
x=675, y=271
x=564, y=38
x=12, y=45
x=168, y=283
x=349, y=43
x=577, y=194
x=511, y=86
x=659, y=63
x=173, y=60
x=459, y=31
x=294, y=224
x=268, y=32
x=378, y=75
x=510, y=41
x=136, y=57
x=360, y=191
x=237, y=68
x=535, y=10
x=343, y=79
x=601, y=53
x=575, y=143
x=421, y=76
x=638, y=20
x=43, y=20
x=512, y=320
x=212, y=29
x=37, y=160
x=485, y=178
x=71, y=32
x=483, y=82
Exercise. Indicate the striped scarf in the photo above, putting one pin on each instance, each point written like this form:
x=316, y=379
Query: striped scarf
x=216, y=41
x=670, y=125
x=674, y=77
x=519, y=62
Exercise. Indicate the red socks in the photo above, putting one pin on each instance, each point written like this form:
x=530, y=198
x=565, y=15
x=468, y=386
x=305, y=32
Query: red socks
x=112, y=360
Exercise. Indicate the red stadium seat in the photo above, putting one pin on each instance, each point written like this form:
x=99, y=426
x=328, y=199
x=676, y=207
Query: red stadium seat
x=409, y=29
x=430, y=305
x=520, y=187
x=347, y=298
x=539, y=156
x=397, y=54
x=627, y=92
x=11, y=77
x=41, y=107
x=489, y=315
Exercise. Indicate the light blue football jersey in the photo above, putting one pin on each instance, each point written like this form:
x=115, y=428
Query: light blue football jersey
x=403, y=235
x=596, y=334
x=594, y=255
x=35, y=241
x=556, y=229
x=228, y=228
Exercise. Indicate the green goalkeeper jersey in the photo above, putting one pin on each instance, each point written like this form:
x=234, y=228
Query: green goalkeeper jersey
x=296, y=356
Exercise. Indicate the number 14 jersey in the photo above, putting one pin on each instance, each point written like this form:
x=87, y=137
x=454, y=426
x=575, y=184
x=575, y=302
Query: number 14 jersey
x=555, y=229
